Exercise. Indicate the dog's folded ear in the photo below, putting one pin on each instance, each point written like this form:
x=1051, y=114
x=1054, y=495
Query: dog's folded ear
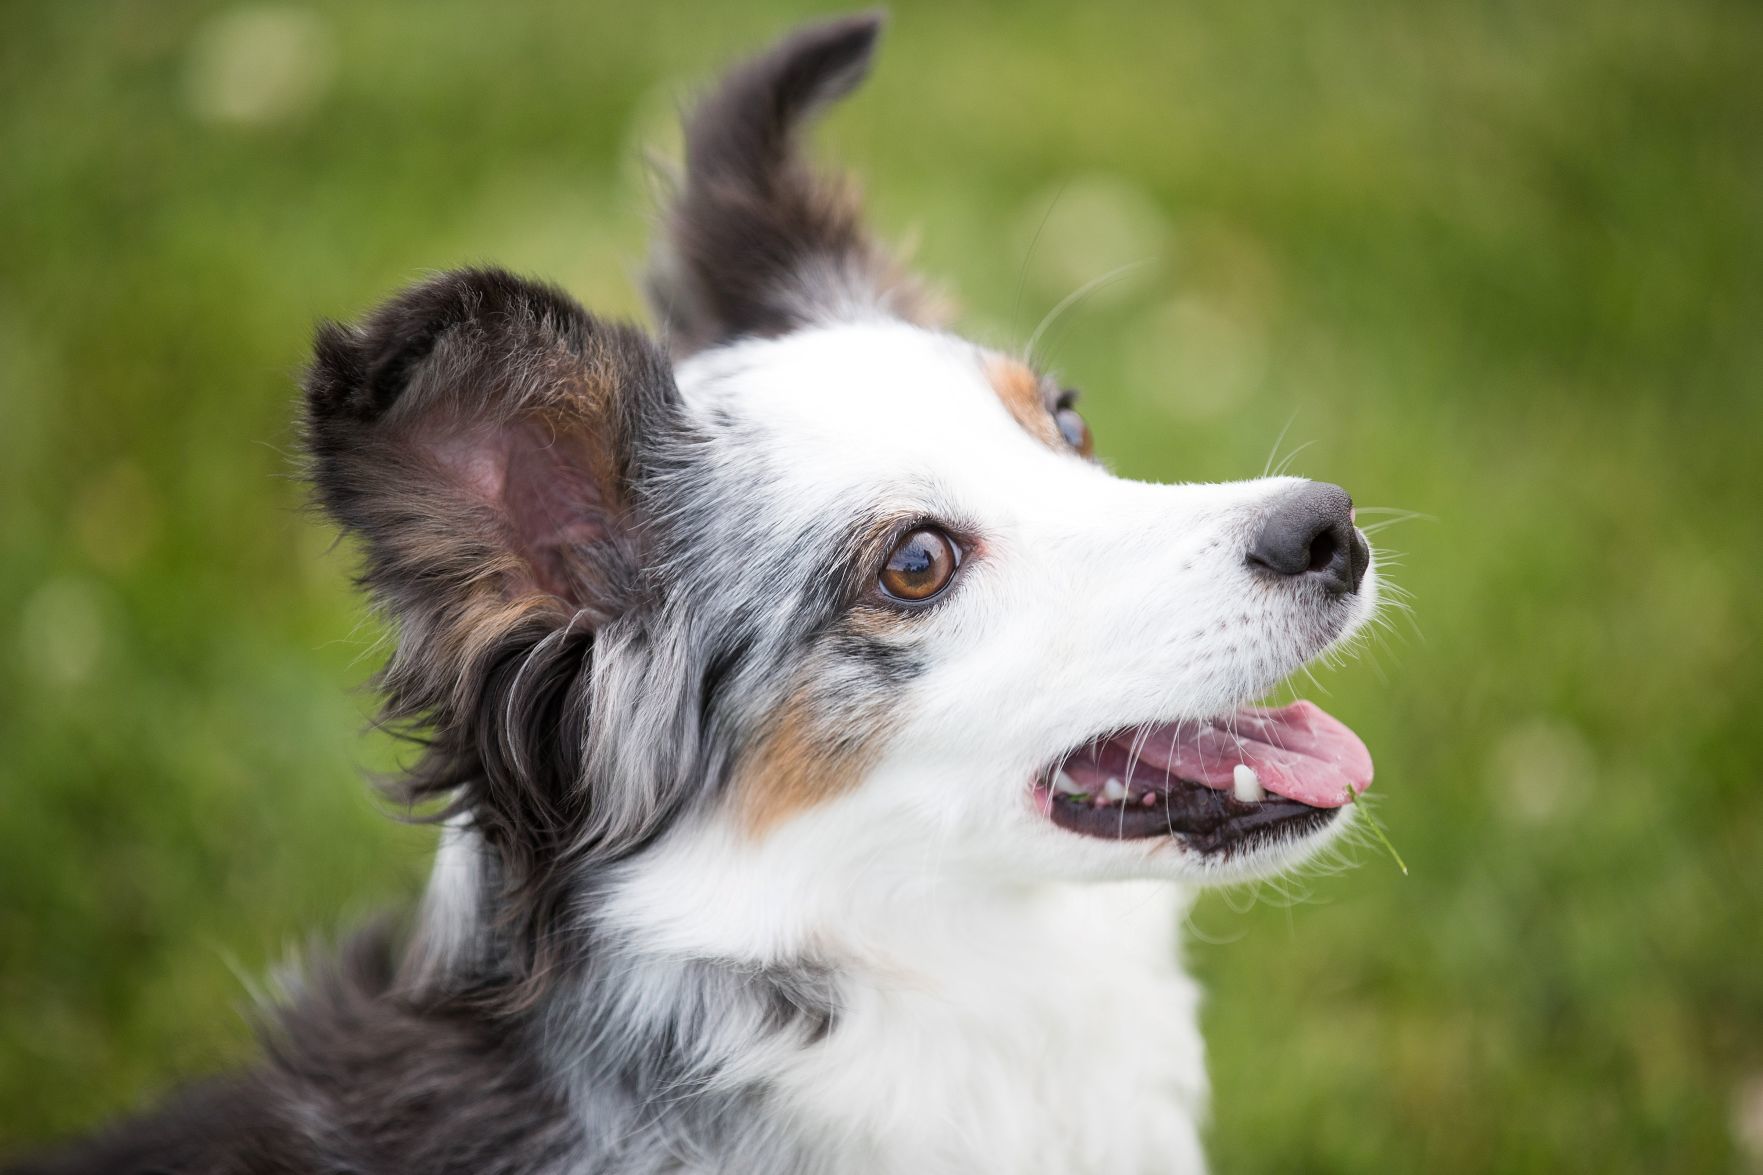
x=756, y=242
x=480, y=433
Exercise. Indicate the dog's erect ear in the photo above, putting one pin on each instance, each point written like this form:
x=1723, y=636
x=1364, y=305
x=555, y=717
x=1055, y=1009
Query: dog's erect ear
x=480, y=434
x=756, y=243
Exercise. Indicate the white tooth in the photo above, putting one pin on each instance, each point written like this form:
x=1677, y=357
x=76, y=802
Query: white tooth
x=1063, y=782
x=1114, y=791
x=1246, y=785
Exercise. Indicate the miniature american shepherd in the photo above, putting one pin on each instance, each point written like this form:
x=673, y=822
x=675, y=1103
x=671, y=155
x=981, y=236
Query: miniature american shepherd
x=826, y=745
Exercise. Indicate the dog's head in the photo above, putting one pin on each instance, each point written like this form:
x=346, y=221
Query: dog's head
x=819, y=586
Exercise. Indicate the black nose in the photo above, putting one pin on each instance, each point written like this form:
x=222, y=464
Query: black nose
x=1310, y=534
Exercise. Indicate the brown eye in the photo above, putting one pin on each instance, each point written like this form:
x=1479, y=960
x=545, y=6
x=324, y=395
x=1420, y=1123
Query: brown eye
x=1071, y=424
x=920, y=565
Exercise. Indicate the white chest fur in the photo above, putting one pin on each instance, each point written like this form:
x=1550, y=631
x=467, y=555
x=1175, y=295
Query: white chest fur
x=1057, y=1037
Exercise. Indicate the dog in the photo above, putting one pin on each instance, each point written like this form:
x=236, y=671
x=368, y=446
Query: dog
x=826, y=745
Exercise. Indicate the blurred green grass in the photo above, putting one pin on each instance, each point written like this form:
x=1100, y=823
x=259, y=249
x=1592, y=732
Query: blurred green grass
x=1492, y=262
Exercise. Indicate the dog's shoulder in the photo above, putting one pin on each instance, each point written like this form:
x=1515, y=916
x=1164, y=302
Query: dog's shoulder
x=358, y=1076
x=222, y=1127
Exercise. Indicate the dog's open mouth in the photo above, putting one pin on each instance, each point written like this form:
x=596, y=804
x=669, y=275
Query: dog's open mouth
x=1222, y=784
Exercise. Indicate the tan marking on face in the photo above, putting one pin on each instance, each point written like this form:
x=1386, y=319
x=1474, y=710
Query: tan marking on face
x=1019, y=387
x=801, y=763
x=874, y=623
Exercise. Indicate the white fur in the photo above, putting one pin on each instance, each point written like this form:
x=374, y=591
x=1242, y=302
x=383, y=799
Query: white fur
x=449, y=921
x=1011, y=996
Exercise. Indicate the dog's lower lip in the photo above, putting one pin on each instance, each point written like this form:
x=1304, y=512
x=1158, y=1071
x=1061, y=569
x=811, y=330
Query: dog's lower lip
x=1207, y=820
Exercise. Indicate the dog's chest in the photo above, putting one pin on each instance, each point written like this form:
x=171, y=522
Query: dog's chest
x=1068, y=1045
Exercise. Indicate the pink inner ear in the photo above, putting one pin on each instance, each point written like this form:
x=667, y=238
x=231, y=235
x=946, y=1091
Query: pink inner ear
x=478, y=458
x=552, y=500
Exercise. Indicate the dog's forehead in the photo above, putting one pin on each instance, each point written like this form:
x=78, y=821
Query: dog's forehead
x=860, y=403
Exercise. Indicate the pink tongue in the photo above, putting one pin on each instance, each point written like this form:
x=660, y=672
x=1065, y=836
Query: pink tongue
x=1297, y=751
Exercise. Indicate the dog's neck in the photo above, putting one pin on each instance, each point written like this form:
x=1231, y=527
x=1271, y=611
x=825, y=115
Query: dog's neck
x=861, y=1020
x=1044, y=1031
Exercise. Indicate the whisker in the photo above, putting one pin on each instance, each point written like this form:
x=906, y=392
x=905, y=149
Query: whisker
x=1394, y=512
x=1079, y=295
x=1283, y=466
x=1267, y=465
x=1210, y=939
x=1022, y=277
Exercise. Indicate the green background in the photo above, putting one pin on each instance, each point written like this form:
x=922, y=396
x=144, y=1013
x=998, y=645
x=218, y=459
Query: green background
x=1500, y=264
